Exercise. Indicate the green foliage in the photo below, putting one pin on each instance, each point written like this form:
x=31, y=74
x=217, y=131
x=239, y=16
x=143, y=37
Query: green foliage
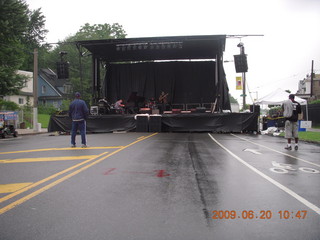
x=80, y=60
x=8, y=105
x=27, y=114
x=46, y=109
x=275, y=111
x=232, y=99
x=65, y=105
x=20, y=31
x=315, y=102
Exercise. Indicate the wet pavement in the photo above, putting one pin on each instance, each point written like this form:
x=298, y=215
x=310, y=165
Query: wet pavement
x=158, y=186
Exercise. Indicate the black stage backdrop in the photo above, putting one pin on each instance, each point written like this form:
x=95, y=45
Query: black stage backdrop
x=186, y=82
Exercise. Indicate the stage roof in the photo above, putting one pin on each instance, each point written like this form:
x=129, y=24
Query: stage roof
x=157, y=48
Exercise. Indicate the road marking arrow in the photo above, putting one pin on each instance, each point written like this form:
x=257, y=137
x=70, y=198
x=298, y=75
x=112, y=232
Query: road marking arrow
x=252, y=151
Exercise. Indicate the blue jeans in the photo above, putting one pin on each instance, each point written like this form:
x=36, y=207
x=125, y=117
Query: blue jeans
x=81, y=126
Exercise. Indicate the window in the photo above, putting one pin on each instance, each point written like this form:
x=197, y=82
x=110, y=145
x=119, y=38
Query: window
x=21, y=101
x=43, y=89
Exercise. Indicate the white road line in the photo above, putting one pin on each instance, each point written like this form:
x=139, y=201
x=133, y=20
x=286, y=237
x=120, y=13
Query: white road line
x=300, y=159
x=274, y=182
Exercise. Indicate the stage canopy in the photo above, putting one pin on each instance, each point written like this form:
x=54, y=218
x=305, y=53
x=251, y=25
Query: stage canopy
x=189, y=68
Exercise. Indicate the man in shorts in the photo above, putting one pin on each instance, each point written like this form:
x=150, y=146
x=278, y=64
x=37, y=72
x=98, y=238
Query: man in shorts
x=291, y=110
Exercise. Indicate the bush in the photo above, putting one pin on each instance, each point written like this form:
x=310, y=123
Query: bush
x=315, y=102
x=8, y=105
x=46, y=109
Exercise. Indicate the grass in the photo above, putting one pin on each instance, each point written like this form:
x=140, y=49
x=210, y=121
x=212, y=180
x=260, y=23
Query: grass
x=308, y=136
x=44, y=120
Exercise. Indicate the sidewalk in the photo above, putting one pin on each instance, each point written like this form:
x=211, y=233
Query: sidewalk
x=313, y=129
x=31, y=131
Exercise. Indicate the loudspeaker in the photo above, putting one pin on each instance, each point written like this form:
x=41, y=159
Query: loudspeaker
x=240, y=62
x=155, y=124
x=255, y=108
x=142, y=124
x=63, y=70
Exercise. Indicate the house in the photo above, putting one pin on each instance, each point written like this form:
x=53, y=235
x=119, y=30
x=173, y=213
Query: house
x=26, y=93
x=304, y=87
x=51, y=90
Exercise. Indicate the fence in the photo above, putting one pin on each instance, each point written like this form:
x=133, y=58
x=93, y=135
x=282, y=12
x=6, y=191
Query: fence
x=313, y=114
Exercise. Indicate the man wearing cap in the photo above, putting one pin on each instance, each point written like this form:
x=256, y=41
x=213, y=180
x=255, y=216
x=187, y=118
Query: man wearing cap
x=291, y=109
x=78, y=112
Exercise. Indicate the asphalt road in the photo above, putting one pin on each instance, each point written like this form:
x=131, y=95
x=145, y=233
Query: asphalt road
x=165, y=186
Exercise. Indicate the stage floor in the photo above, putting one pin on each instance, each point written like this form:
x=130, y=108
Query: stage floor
x=183, y=122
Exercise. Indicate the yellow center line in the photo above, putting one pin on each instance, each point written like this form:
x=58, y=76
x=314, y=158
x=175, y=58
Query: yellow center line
x=47, y=179
x=46, y=159
x=12, y=187
x=50, y=185
x=59, y=149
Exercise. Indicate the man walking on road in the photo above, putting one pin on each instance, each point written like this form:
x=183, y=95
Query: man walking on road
x=78, y=112
x=291, y=110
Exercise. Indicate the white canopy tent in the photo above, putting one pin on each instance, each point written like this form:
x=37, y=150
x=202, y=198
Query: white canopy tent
x=277, y=97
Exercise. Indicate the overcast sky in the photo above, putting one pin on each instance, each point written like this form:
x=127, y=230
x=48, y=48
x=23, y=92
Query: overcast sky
x=279, y=59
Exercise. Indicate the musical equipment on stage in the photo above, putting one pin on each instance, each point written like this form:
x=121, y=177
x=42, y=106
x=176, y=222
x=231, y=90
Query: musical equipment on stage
x=163, y=97
x=200, y=109
x=145, y=110
x=94, y=110
x=175, y=111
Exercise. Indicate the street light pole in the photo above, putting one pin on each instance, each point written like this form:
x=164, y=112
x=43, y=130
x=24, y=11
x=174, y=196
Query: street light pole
x=35, y=90
x=243, y=80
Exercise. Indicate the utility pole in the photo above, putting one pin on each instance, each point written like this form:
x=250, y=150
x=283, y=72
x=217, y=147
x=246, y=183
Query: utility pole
x=35, y=90
x=242, y=67
x=311, y=82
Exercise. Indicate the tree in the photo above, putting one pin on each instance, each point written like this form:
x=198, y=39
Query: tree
x=20, y=29
x=80, y=61
x=232, y=99
x=34, y=37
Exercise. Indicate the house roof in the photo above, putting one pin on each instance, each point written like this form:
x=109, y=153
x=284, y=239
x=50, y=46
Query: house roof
x=51, y=78
x=157, y=48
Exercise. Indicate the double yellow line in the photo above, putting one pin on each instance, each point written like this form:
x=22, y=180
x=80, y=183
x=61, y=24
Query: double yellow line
x=93, y=161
